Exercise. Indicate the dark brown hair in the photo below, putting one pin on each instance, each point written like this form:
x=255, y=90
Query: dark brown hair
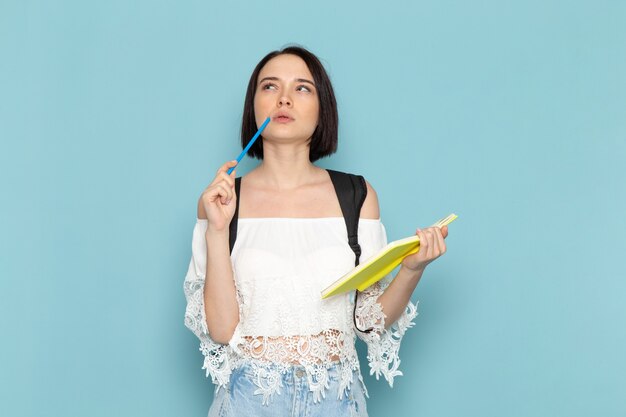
x=324, y=139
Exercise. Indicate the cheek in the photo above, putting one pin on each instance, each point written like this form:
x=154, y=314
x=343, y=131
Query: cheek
x=261, y=102
x=261, y=111
x=314, y=112
x=310, y=105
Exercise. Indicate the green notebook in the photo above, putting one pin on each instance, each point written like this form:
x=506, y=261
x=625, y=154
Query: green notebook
x=380, y=264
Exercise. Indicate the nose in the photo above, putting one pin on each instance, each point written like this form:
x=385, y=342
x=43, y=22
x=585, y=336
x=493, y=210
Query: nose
x=284, y=101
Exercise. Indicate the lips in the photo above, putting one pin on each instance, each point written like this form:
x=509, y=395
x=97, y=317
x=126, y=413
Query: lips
x=282, y=117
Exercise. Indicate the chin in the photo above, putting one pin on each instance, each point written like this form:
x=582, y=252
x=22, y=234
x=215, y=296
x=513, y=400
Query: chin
x=285, y=133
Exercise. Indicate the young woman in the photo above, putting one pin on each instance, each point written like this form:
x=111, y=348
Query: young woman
x=272, y=346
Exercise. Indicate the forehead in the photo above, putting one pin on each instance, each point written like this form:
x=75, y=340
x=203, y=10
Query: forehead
x=286, y=67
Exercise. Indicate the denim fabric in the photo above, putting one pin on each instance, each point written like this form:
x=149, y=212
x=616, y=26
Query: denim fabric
x=295, y=398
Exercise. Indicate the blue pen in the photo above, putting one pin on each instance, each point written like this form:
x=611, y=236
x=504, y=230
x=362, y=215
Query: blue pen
x=256, y=135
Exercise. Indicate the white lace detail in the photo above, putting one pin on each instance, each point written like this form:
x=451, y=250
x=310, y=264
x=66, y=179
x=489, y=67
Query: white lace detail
x=217, y=357
x=303, y=350
x=316, y=353
x=383, y=345
x=283, y=320
x=269, y=382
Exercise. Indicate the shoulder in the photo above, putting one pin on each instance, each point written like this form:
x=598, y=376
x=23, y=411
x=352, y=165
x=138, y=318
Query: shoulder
x=370, y=209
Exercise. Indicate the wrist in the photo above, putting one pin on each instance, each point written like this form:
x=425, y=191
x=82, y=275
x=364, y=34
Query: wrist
x=216, y=235
x=412, y=272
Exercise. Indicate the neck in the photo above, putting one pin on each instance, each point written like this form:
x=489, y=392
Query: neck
x=286, y=167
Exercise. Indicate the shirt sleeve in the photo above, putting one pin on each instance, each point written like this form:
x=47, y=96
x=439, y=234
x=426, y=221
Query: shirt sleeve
x=383, y=344
x=217, y=357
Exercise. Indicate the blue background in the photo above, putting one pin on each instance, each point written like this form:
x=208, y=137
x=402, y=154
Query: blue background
x=115, y=115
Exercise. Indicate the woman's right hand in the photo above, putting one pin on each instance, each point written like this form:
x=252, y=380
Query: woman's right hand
x=219, y=199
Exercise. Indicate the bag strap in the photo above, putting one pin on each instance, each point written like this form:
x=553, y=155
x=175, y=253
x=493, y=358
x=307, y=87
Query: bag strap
x=351, y=190
x=232, y=236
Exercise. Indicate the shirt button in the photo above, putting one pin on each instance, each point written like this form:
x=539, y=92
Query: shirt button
x=299, y=373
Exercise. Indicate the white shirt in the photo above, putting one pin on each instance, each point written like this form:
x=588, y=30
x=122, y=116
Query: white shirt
x=280, y=267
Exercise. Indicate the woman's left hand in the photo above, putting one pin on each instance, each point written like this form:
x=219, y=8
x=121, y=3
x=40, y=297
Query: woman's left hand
x=432, y=246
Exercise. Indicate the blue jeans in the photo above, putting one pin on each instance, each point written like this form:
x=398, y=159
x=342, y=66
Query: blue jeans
x=295, y=398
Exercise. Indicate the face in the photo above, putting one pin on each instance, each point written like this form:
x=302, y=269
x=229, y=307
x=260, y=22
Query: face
x=285, y=86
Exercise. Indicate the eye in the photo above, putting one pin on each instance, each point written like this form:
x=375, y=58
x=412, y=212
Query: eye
x=264, y=87
x=305, y=87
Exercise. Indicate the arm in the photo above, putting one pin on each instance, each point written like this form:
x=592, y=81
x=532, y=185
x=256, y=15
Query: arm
x=221, y=305
x=220, y=300
x=396, y=297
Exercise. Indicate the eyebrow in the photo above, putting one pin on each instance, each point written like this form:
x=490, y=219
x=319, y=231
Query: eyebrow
x=300, y=80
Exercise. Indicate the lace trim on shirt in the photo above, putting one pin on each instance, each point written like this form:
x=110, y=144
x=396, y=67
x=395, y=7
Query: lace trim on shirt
x=304, y=350
x=272, y=356
x=383, y=344
x=268, y=378
x=314, y=352
x=268, y=358
x=217, y=358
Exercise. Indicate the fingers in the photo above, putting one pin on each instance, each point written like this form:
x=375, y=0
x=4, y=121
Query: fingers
x=219, y=191
x=228, y=183
x=441, y=245
x=432, y=244
x=427, y=244
x=228, y=179
x=224, y=169
x=223, y=185
x=227, y=166
x=437, y=242
x=424, y=246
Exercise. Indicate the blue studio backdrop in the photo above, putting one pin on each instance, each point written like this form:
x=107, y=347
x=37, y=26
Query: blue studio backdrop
x=114, y=117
